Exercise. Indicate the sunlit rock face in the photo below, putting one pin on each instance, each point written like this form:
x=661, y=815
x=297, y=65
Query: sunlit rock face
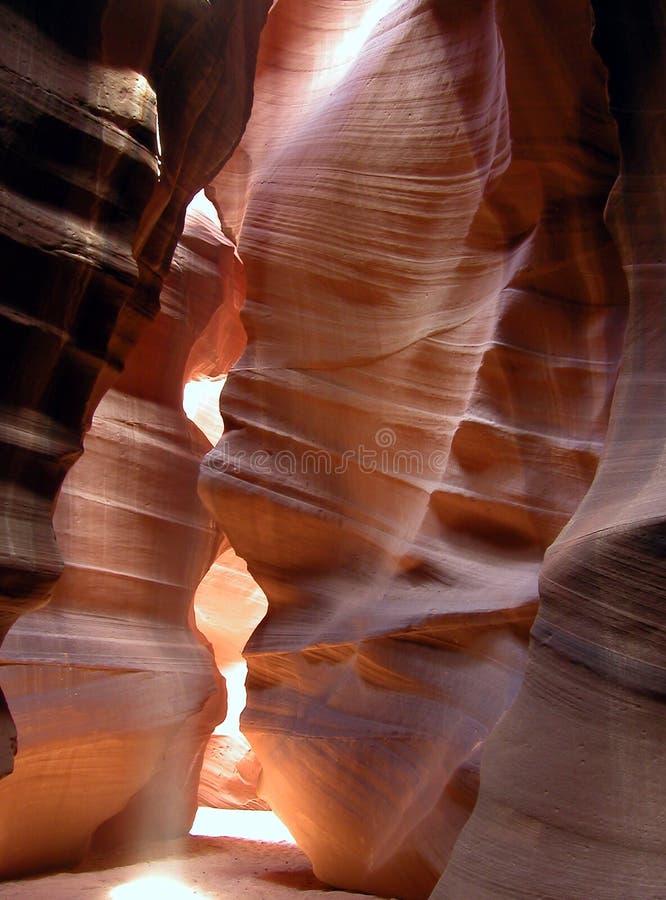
x=435, y=313
x=228, y=603
x=572, y=789
x=228, y=606
x=111, y=689
x=91, y=207
x=454, y=252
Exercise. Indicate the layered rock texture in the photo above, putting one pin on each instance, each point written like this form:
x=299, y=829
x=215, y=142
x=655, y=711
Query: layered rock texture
x=111, y=669
x=92, y=205
x=435, y=315
x=572, y=791
x=228, y=603
x=449, y=415
x=228, y=607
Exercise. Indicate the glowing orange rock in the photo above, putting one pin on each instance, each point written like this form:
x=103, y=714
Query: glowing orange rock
x=435, y=314
x=111, y=670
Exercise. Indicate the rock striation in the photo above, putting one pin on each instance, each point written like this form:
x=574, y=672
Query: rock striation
x=92, y=204
x=111, y=668
x=435, y=313
x=228, y=606
x=444, y=442
x=572, y=790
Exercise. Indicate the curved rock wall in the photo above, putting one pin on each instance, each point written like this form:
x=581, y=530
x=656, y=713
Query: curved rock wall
x=111, y=668
x=73, y=128
x=90, y=212
x=435, y=316
x=438, y=286
x=228, y=607
x=572, y=789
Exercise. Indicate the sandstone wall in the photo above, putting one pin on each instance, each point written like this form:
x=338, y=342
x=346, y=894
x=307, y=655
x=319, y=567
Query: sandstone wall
x=435, y=317
x=451, y=217
x=91, y=209
x=572, y=788
x=113, y=693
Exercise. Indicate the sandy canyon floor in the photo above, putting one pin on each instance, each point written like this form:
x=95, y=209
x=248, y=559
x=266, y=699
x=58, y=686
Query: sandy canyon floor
x=229, y=854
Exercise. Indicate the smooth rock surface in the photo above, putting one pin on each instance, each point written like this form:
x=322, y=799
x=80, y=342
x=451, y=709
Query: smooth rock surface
x=92, y=204
x=112, y=691
x=228, y=606
x=449, y=410
x=435, y=318
x=573, y=795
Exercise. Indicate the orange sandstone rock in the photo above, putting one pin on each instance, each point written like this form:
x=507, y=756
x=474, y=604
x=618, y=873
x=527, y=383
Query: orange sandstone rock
x=449, y=410
x=112, y=691
x=572, y=783
x=228, y=606
x=92, y=204
x=435, y=315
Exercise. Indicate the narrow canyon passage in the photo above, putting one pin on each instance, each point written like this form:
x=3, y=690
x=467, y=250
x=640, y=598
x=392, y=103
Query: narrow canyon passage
x=413, y=251
x=228, y=605
x=111, y=687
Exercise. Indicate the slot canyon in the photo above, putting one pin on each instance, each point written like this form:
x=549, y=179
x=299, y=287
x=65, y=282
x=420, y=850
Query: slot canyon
x=333, y=351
